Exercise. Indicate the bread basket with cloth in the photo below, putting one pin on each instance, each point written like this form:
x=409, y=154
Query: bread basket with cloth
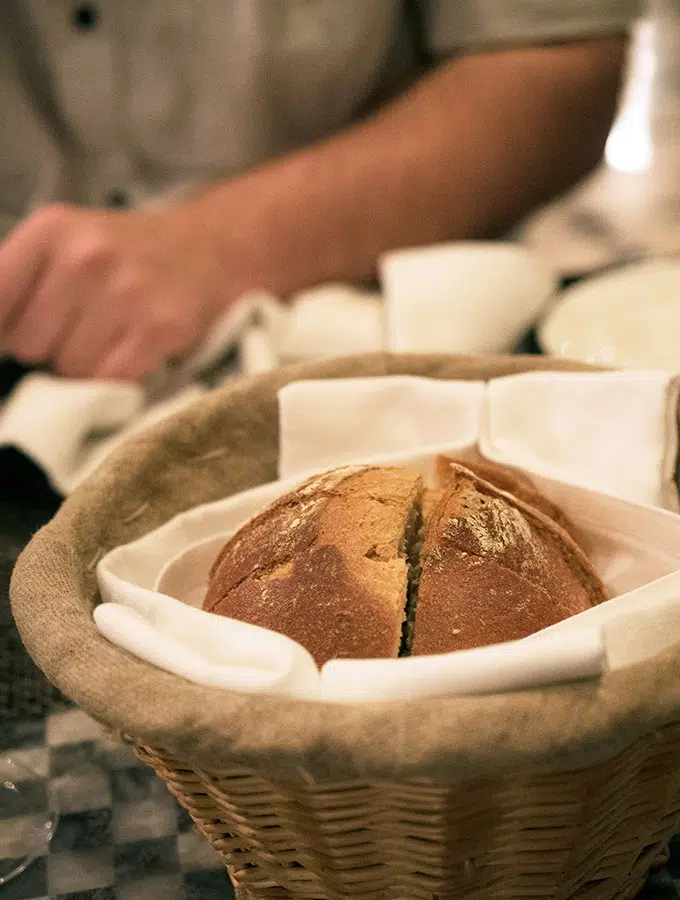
x=563, y=790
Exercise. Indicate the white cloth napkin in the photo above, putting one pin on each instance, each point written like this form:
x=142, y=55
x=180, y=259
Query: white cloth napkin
x=67, y=427
x=327, y=423
x=331, y=320
x=612, y=431
x=224, y=653
x=635, y=547
x=473, y=297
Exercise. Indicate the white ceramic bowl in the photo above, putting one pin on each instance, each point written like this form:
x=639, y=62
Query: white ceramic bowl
x=629, y=317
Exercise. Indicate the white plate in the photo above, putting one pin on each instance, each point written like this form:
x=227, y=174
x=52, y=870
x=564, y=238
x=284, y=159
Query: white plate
x=628, y=318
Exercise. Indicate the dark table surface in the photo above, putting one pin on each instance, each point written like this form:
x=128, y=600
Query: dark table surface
x=121, y=835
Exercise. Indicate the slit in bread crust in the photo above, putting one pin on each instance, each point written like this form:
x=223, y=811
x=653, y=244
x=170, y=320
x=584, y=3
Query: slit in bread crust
x=414, y=536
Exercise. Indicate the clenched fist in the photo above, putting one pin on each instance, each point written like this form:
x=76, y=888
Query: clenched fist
x=108, y=294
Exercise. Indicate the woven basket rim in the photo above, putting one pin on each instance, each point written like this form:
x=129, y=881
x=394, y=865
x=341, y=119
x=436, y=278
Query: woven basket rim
x=452, y=739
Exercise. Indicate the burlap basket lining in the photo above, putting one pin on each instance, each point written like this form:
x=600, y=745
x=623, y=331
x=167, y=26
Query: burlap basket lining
x=225, y=443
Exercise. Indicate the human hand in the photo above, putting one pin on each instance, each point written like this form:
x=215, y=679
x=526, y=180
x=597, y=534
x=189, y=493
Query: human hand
x=107, y=294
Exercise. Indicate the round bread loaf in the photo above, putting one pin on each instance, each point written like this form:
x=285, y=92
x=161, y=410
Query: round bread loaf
x=362, y=562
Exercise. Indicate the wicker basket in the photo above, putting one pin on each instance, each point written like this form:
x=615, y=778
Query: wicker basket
x=589, y=833
x=560, y=793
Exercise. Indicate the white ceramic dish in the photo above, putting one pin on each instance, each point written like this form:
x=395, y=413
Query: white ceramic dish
x=629, y=318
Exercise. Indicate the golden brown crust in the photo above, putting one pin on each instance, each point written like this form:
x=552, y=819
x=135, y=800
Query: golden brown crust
x=489, y=604
x=508, y=479
x=431, y=498
x=324, y=564
x=327, y=565
x=495, y=568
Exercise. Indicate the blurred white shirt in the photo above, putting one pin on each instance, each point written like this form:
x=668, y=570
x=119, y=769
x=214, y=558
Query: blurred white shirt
x=123, y=102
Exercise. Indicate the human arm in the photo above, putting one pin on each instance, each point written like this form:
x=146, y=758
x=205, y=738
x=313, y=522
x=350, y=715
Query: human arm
x=465, y=152
x=469, y=150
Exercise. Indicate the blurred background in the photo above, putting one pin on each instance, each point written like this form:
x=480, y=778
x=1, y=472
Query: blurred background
x=631, y=206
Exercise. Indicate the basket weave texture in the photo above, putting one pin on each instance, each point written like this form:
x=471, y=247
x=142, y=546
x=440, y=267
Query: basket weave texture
x=593, y=833
x=564, y=792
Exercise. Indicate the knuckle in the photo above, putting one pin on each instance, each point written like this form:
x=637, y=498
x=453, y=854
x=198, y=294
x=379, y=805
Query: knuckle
x=69, y=365
x=27, y=348
x=88, y=249
x=53, y=216
x=128, y=365
x=132, y=285
x=162, y=325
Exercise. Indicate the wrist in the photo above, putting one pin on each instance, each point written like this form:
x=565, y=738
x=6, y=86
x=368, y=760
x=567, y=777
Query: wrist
x=230, y=225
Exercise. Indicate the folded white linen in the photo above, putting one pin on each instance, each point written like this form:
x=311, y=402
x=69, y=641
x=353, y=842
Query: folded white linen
x=331, y=320
x=325, y=423
x=615, y=432
x=611, y=431
x=56, y=422
x=220, y=653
